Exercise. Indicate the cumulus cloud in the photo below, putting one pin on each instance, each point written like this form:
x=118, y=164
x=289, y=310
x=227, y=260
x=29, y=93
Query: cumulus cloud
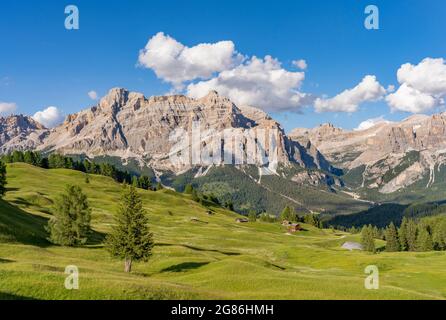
x=371, y=123
x=93, y=95
x=7, y=108
x=369, y=89
x=176, y=63
x=301, y=64
x=50, y=117
x=422, y=86
x=258, y=82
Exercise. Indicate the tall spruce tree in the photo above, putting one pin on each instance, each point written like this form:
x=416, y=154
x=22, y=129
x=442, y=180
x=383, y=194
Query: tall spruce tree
x=131, y=239
x=288, y=214
x=411, y=235
x=188, y=189
x=424, y=239
x=391, y=236
x=70, y=224
x=439, y=235
x=367, y=240
x=376, y=233
x=2, y=179
x=252, y=216
x=402, y=235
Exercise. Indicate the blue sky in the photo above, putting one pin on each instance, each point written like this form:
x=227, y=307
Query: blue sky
x=42, y=64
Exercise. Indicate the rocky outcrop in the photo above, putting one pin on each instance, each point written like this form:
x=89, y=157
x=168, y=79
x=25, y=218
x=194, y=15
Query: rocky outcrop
x=151, y=130
x=385, y=150
x=19, y=132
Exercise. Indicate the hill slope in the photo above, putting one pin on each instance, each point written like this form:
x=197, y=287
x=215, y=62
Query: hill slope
x=212, y=258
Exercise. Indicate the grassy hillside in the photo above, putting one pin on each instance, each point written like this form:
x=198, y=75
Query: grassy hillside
x=213, y=257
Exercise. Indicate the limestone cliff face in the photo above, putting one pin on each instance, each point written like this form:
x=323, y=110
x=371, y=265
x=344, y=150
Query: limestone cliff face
x=19, y=132
x=128, y=125
x=393, y=155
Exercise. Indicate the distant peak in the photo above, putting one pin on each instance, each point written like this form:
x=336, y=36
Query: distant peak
x=212, y=93
x=23, y=121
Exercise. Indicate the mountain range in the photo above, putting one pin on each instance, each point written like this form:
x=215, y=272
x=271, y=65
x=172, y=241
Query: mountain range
x=324, y=169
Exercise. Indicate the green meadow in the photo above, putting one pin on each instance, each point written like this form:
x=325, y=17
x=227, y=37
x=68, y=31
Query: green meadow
x=196, y=256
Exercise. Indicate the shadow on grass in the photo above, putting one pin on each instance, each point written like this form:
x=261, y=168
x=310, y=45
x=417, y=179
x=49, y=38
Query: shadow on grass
x=26, y=203
x=6, y=260
x=227, y=253
x=185, y=266
x=20, y=226
x=96, y=238
x=10, y=296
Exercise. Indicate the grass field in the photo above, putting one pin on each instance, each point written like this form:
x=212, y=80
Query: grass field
x=212, y=258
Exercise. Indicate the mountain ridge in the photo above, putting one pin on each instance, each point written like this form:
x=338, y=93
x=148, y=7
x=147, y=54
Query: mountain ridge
x=385, y=158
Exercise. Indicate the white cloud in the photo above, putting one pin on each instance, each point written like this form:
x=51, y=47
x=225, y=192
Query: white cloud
x=7, y=107
x=50, y=117
x=370, y=123
x=412, y=100
x=301, y=64
x=258, y=82
x=93, y=95
x=175, y=63
x=422, y=86
x=369, y=89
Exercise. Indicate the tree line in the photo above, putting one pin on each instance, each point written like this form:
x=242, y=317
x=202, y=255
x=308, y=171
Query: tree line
x=420, y=235
x=58, y=161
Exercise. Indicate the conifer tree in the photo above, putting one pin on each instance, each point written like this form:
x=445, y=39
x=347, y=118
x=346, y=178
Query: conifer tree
x=131, y=239
x=391, y=236
x=439, y=235
x=188, y=189
x=376, y=232
x=402, y=235
x=135, y=181
x=411, y=235
x=367, y=240
x=2, y=179
x=70, y=224
x=287, y=214
x=252, y=216
x=424, y=239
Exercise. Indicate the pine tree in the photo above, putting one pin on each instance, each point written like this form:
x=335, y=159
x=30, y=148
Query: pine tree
x=70, y=224
x=252, y=216
x=367, y=240
x=188, y=189
x=144, y=182
x=17, y=156
x=195, y=196
x=131, y=239
x=287, y=214
x=376, y=233
x=411, y=235
x=391, y=236
x=135, y=182
x=424, y=239
x=313, y=220
x=439, y=235
x=402, y=235
x=2, y=179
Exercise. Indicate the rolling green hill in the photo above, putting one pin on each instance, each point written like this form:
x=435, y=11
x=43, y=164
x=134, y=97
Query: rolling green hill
x=210, y=256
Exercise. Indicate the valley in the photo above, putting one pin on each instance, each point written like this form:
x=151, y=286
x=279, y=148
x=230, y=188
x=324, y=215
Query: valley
x=208, y=257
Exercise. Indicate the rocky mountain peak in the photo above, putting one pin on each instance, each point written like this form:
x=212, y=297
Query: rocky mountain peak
x=20, y=123
x=20, y=132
